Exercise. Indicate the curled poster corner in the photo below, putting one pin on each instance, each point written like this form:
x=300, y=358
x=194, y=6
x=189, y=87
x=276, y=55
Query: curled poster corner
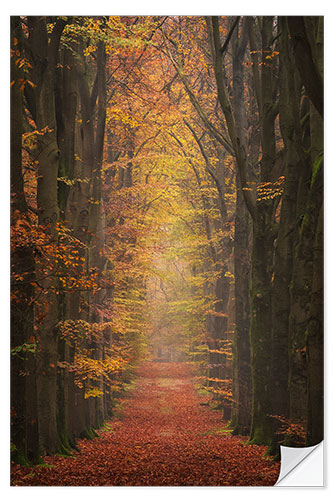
x=302, y=466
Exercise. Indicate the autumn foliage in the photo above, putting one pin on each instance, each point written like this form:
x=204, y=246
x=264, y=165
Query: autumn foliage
x=166, y=207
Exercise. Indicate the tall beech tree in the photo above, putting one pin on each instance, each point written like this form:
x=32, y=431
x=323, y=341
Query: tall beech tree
x=262, y=212
x=24, y=433
x=307, y=33
x=289, y=122
x=242, y=368
x=43, y=54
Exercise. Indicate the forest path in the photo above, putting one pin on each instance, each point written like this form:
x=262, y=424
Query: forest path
x=162, y=437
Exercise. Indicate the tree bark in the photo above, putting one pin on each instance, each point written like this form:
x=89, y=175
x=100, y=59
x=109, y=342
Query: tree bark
x=308, y=50
x=315, y=344
x=285, y=243
x=241, y=345
x=24, y=426
x=44, y=54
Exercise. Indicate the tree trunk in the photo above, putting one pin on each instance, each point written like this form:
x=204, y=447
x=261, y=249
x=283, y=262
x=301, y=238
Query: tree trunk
x=66, y=113
x=308, y=50
x=285, y=243
x=260, y=330
x=241, y=347
x=309, y=205
x=23, y=395
x=315, y=344
x=241, y=344
x=47, y=202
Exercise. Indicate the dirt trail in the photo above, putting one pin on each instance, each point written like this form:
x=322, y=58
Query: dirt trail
x=164, y=436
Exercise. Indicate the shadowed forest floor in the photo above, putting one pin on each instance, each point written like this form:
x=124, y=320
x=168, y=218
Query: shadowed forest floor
x=163, y=437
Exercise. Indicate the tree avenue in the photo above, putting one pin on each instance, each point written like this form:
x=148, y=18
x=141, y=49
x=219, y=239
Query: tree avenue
x=166, y=205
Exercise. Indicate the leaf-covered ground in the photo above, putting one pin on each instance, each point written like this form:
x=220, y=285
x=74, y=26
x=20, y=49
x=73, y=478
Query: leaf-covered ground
x=163, y=436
